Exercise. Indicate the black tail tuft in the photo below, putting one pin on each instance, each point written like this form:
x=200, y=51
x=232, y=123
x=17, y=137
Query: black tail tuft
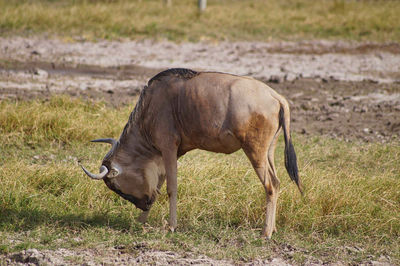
x=291, y=164
x=290, y=154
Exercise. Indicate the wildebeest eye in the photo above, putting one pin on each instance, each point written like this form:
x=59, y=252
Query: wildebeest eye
x=113, y=173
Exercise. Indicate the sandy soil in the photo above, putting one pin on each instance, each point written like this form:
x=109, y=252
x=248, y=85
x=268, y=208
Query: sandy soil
x=337, y=89
x=344, y=90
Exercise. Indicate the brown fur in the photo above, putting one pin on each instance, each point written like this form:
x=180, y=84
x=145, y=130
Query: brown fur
x=181, y=110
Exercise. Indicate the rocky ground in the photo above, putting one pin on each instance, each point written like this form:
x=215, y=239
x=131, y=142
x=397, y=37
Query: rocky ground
x=337, y=89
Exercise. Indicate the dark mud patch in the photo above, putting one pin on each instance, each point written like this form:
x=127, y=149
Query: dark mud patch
x=348, y=110
x=116, y=98
x=93, y=71
x=50, y=77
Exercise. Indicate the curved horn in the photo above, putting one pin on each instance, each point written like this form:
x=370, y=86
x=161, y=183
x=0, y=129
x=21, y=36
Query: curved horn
x=111, y=141
x=103, y=173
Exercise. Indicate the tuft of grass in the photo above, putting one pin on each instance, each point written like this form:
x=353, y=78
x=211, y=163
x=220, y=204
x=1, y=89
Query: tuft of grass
x=349, y=212
x=61, y=120
x=223, y=20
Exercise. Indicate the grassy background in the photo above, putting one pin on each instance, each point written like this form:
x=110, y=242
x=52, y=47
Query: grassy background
x=349, y=211
x=223, y=19
x=351, y=206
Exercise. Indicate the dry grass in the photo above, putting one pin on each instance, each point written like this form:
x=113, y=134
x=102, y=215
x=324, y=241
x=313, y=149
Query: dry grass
x=60, y=120
x=352, y=197
x=225, y=19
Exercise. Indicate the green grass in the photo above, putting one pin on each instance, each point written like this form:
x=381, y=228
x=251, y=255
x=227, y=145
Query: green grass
x=223, y=20
x=349, y=211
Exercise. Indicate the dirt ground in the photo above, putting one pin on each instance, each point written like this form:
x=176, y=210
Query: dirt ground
x=342, y=90
x=140, y=255
x=119, y=256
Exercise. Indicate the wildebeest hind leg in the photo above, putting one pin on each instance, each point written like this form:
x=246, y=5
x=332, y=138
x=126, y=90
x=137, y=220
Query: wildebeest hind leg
x=271, y=161
x=260, y=151
x=271, y=186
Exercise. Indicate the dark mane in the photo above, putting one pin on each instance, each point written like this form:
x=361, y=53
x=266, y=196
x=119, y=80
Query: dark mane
x=142, y=103
x=136, y=113
x=183, y=73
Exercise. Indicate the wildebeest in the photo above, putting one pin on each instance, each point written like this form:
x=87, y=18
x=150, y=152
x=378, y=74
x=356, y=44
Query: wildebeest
x=180, y=110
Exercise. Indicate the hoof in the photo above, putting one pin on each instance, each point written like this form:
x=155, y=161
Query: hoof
x=267, y=236
x=143, y=217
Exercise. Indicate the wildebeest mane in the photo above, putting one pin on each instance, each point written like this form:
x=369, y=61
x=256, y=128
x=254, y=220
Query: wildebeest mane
x=182, y=73
x=141, y=104
x=136, y=113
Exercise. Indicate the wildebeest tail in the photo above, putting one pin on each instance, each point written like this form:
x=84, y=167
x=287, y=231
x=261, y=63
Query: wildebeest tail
x=290, y=154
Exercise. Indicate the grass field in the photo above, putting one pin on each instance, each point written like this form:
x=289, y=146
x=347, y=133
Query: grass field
x=348, y=213
x=350, y=210
x=223, y=19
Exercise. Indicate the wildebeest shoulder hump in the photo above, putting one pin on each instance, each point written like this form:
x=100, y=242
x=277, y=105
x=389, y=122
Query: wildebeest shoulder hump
x=182, y=73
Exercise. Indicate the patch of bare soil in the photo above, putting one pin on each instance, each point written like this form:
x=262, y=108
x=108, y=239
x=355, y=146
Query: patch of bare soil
x=141, y=255
x=349, y=110
x=279, y=60
x=119, y=256
x=35, y=79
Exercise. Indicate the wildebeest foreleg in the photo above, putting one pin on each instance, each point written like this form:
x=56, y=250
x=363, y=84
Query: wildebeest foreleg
x=170, y=162
x=143, y=217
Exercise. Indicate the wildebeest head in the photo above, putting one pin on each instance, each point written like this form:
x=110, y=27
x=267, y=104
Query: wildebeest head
x=127, y=176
